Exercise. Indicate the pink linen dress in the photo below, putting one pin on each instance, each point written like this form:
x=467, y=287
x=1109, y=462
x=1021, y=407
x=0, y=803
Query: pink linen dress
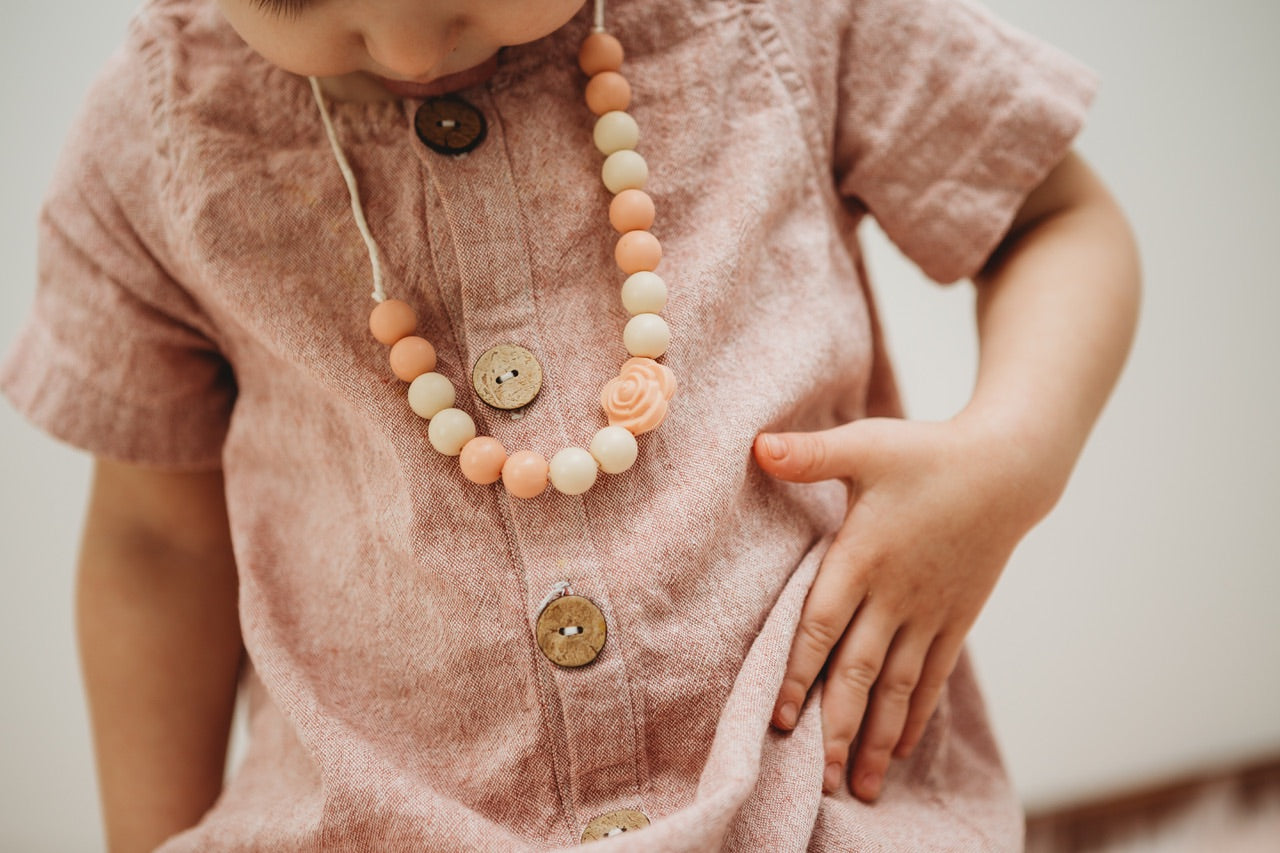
x=203, y=302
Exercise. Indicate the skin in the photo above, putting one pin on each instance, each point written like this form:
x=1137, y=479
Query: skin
x=348, y=44
x=935, y=509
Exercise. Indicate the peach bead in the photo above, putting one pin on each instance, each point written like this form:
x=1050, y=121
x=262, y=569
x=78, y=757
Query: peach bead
x=411, y=357
x=525, y=474
x=392, y=320
x=631, y=210
x=608, y=91
x=482, y=459
x=637, y=251
x=600, y=52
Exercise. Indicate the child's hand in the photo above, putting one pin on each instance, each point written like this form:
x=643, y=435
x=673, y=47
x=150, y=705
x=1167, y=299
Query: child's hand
x=935, y=509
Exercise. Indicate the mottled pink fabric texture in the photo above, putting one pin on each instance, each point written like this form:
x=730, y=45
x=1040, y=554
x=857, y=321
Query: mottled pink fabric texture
x=203, y=301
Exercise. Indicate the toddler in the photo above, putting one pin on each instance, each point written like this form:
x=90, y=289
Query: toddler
x=493, y=393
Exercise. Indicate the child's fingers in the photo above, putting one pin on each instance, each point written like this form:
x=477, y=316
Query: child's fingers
x=933, y=678
x=890, y=700
x=855, y=665
x=826, y=614
x=807, y=457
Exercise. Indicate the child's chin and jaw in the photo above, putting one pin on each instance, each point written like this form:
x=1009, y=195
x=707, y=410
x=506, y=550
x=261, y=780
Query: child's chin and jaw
x=353, y=72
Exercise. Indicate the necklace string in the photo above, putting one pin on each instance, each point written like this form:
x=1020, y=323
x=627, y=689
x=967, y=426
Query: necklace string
x=635, y=401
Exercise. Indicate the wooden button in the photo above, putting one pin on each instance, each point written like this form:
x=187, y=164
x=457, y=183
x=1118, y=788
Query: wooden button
x=507, y=377
x=449, y=125
x=614, y=823
x=571, y=631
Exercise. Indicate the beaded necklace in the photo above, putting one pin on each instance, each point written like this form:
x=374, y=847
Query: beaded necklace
x=636, y=400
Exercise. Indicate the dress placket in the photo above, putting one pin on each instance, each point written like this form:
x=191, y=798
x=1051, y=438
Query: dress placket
x=565, y=583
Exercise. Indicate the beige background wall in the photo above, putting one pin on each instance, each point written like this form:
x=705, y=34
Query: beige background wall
x=1137, y=631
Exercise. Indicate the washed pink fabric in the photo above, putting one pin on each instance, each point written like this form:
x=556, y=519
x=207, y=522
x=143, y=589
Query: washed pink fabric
x=203, y=301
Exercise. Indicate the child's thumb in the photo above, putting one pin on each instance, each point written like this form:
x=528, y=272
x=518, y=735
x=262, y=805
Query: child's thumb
x=803, y=457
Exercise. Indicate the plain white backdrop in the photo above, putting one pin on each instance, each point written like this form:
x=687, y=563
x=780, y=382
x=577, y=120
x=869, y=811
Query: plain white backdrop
x=1135, y=634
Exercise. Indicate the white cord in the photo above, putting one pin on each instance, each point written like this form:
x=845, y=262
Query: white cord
x=560, y=588
x=356, y=209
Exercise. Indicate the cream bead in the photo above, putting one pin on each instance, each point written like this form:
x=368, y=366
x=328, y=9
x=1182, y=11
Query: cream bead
x=646, y=335
x=615, y=131
x=431, y=393
x=644, y=293
x=573, y=471
x=449, y=430
x=624, y=170
x=615, y=449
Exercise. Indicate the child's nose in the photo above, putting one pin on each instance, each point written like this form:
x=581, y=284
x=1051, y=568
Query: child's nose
x=411, y=49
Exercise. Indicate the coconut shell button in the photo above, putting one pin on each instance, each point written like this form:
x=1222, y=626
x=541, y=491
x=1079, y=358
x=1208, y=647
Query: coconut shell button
x=614, y=823
x=571, y=631
x=507, y=377
x=449, y=125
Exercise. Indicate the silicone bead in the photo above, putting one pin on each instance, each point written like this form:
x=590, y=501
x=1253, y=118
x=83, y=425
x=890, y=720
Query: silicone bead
x=431, y=393
x=392, y=320
x=600, y=52
x=646, y=335
x=411, y=357
x=614, y=131
x=449, y=430
x=573, y=471
x=482, y=459
x=631, y=210
x=644, y=293
x=624, y=170
x=608, y=91
x=525, y=474
x=615, y=449
x=637, y=251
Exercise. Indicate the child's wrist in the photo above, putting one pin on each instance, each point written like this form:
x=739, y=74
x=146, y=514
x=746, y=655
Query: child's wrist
x=1033, y=455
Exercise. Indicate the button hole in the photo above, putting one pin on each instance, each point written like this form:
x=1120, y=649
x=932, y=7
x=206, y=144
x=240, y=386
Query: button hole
x=510, y=374
x=617, y=830
x=570, y=630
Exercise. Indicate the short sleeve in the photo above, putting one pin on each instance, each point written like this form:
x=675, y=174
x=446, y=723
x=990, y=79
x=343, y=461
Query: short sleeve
x=116, y=357
x=947, y=119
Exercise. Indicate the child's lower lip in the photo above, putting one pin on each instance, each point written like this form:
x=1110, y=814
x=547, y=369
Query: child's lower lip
x=441, y=85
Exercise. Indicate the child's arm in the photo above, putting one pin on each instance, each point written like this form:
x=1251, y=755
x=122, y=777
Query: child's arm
x=160, y=647
x=937, y=508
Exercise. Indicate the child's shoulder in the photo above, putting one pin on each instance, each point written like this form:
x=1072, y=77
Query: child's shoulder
x=181, y=77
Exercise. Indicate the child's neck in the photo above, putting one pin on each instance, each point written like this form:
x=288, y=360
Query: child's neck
x=354, y=87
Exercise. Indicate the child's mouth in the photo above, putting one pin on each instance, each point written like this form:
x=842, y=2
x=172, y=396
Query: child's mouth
x=441, y=85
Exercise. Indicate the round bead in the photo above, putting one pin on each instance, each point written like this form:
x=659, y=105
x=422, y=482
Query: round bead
x=411, y=357
x=624, y=170
x=646, y=335
x=614, y=131
x=644, y=293
x=615, y=449
x=482, y=459
x=525, y=474
x=637, y=251
x=449, y=430
x=608, y=91
x=600, y=52
x=392, y=320
x=430, y=394
x=631, y=210
x=573, y=471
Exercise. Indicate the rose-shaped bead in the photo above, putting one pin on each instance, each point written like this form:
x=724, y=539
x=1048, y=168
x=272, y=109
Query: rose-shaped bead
x=637, y=398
